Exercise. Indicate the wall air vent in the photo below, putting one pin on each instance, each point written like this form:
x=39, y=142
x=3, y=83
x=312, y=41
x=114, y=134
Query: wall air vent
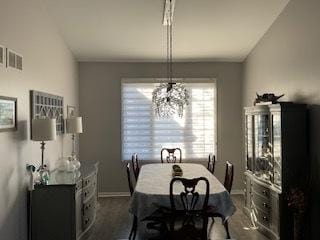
x=14, y=60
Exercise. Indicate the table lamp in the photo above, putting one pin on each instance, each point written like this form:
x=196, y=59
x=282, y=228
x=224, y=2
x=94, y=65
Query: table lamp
x=74, y=126
x=43, y=129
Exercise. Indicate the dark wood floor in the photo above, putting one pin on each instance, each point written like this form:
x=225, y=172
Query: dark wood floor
x=114, y=222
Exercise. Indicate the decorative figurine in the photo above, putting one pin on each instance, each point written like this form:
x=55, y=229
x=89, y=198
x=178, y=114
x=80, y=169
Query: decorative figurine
x=267, y=98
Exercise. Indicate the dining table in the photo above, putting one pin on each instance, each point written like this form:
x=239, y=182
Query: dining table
x=152, y=189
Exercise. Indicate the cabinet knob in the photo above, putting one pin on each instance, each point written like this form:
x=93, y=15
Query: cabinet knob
x=264, y=192
x=265, y=219
x=86, y=220
x=265, y=205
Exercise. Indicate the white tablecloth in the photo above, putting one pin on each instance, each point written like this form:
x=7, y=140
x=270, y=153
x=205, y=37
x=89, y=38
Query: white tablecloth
x=152, y=189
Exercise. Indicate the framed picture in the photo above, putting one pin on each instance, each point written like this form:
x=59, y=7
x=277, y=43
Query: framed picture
x=71, y=111
x=2, y=56
x=8, y=114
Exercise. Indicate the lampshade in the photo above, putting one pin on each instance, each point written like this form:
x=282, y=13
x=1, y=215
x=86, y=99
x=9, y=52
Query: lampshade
x=74, y=125
x=44, y=129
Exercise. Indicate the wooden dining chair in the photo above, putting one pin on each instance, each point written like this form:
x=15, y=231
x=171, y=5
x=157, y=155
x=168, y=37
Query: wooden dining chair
x=211, y=163
x=186, y=218
x=228, y=181
x=169, y=154
x=135, y=165
x=189, y=209
x=133, y=231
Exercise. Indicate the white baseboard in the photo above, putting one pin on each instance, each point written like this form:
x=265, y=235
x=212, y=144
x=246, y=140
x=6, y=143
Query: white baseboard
x=127, y=194
x=113, y=194
x=237, y=192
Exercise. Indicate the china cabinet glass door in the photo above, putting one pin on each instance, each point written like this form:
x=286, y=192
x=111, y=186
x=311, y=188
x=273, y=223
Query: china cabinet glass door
x=263, y=167
x=276, y=129
x=249, y=143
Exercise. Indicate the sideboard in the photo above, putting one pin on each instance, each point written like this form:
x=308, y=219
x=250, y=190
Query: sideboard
x=65, y=209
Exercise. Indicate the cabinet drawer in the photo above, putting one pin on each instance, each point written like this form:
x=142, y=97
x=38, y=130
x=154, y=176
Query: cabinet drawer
x=263, y=218
x=88, y=180
x=262, y=203
x=89, y=213
x=261, y=190
x=89, y=206
x=89, y=191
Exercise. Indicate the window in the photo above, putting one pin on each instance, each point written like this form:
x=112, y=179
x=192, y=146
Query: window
x=146, y=134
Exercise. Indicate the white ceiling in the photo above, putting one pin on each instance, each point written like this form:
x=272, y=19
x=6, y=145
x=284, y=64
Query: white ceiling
x=132, y=30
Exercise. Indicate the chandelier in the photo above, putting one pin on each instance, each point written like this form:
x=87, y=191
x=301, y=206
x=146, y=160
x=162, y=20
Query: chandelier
x=169, y=98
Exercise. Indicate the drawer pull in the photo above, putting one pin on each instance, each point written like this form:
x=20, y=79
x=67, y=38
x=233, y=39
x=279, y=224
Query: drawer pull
x=265, y=205
x=264, y=218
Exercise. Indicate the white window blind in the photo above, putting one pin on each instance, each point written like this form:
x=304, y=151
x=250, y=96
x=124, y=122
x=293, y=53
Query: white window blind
x=146, y=134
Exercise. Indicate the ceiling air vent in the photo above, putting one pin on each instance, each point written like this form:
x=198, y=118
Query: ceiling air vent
x=14, y=60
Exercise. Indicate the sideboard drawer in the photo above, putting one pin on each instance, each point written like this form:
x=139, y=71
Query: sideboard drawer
x=89, y=213
x=89, y=191
x=89, y=206
x=261, y=190
x=262, y=203
x=90, y=179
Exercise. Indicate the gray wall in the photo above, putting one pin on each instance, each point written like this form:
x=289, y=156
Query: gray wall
x=48, y=66
x=287, y=60
x=100, y=105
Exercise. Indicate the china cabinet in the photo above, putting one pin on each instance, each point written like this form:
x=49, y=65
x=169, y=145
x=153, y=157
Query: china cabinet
x=275, y=161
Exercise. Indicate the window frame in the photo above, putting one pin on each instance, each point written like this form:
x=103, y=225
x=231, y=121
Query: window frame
x=178, y=80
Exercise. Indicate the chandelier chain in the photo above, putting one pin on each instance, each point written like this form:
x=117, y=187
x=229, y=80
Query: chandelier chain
x=171, y=23
x=167, y=65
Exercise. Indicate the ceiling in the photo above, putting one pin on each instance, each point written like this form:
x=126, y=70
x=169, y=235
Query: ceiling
x=132, y=30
